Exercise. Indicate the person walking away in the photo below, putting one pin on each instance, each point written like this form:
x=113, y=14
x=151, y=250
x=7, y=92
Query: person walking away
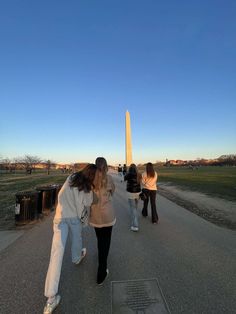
x=149, y=182
x=74, y=195
x=120, y=171
x=102, y=216
x=124, y=169
x=133, y=188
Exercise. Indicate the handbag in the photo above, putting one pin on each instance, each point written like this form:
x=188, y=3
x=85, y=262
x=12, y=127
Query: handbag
x=143, y=195
x=84, y=218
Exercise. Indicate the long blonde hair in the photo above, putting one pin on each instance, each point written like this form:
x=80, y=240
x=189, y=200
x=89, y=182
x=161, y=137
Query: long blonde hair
x=100, y=180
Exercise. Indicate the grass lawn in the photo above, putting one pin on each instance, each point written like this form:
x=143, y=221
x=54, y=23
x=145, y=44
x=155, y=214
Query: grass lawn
x=214, y=181
x=12, y=183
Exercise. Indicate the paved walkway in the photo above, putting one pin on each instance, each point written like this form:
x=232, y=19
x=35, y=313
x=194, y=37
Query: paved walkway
x=193, y=260
x=8, y=237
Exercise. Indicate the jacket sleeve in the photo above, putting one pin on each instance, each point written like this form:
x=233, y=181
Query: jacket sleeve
x=143, y=178
x=82, y=200
x=88, y=199
x=111, y=185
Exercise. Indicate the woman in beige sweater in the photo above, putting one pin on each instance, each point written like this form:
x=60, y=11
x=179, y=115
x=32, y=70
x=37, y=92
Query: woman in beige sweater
x=102, y=216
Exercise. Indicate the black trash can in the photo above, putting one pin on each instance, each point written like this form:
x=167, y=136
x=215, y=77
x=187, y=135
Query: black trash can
x=57, y=188
x=26, y=208
x=45, y=201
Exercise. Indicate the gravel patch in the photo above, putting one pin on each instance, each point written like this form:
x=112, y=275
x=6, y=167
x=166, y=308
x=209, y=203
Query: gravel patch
x=216, y=210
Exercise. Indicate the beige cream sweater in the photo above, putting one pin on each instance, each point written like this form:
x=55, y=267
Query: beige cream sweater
x=149, y=182
x=102, y=213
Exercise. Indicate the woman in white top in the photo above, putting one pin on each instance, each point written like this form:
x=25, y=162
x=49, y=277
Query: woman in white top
x=74, y=195
x=149, y=182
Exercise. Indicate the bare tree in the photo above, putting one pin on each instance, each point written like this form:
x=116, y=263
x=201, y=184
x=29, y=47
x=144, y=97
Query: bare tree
x=49, y=164
x=6, y=164
x=14, y=164
x=227, y=160
x=29, y=162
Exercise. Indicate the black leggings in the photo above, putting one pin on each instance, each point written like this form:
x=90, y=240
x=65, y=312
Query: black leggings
x=152, y=195
x=103, y=241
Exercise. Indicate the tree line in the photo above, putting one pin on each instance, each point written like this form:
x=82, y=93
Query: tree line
x=224, y=160
x=27, y=163
x=30, y=163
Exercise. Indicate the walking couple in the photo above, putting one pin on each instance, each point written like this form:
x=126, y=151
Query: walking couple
x=91, y=189
x=148, y=180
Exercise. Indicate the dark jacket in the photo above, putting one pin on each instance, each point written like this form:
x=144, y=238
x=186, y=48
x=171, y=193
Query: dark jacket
x=133, y=185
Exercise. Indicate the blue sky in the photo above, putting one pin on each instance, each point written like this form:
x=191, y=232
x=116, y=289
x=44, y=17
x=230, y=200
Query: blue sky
x=69, y=70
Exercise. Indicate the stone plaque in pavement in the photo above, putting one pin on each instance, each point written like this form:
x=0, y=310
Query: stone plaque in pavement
x=138, y=297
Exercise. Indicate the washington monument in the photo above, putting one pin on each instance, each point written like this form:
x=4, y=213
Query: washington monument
x=128, y=145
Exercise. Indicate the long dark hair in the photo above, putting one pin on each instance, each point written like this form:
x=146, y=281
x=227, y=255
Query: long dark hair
x=83, y=179
x=100, y=180
x=150, y=170
x=134, y=171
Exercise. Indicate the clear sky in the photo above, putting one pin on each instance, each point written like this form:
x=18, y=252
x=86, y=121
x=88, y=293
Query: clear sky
x=69, y=70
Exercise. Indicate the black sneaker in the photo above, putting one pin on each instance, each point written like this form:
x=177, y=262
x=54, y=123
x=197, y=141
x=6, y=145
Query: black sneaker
x=144, y=214
x=101, y=281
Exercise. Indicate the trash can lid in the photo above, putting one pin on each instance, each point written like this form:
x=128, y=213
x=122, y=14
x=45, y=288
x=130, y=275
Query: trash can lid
x=26, y=193
x=56, y=186
x=44, y=188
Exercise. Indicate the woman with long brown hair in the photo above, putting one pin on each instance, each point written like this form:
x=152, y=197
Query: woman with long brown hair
x=102, y=216
x=149, y=182
x=75, y=194
x=133, y=188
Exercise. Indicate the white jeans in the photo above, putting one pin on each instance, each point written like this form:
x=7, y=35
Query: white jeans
x=61, y=229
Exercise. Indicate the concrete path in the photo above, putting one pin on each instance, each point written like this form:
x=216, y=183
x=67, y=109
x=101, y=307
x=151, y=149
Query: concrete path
x=193, y=260
x=8, y=237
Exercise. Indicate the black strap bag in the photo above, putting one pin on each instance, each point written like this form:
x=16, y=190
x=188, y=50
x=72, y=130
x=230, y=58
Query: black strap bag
x=143, y=195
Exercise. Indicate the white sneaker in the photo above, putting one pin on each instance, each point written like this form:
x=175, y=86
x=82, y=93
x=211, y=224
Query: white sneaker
x=134, y=229
x=50, y=307
x=83, y=254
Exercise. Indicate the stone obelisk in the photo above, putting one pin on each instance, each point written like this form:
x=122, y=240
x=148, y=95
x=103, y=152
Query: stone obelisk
x=128, y=145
